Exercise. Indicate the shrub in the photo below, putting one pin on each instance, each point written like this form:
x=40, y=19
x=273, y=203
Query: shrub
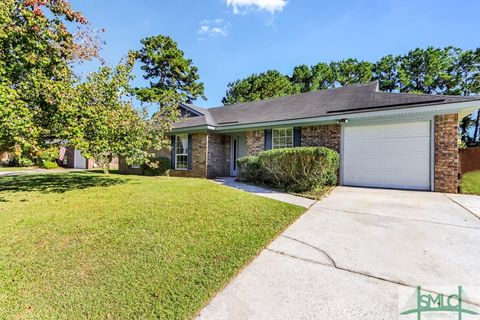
x=19, y=161
x=301, y=169
x=48, y=165
x=50, y=154
x=250, y=169
x=158, y=166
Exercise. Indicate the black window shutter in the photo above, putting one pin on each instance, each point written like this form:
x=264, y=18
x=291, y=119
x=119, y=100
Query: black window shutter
x=172, y=160
x=268, y=139
x=189, y=152
x=297, y=136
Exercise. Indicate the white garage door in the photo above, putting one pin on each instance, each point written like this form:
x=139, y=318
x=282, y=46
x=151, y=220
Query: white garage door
x=387, y=156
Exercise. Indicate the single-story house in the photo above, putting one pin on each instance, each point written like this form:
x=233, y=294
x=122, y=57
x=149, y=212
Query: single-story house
x=387, y=140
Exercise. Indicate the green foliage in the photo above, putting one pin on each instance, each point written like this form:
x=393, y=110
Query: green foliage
x=21, y=161
x=37, y=99
x=172, y=76
x=351, y=71
x=261, y=86
x=158, y=166
x=50, y=154
x=251, y=169
x=48, y=164
x=301, y=169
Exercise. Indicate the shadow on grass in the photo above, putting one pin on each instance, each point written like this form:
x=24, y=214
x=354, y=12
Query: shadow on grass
x=55, y=183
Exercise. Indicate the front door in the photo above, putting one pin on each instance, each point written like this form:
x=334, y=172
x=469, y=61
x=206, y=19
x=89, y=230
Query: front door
x=233, y=164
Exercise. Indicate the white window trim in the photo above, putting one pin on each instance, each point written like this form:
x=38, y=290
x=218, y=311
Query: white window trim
x=287, y=128
x=180, y=154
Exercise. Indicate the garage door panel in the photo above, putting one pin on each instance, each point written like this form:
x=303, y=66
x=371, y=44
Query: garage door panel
x=391, y=156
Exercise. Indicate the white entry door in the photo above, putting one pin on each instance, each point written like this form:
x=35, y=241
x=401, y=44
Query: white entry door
x=387, y=155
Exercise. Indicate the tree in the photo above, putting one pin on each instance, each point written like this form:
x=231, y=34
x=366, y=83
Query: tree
x=270, y=84
x=302, y=78
x=351, y=71
x=172, y=76
x=385, y=71
x=424, y=70
x=323, y=77
x=37, y=100
x=110, y=123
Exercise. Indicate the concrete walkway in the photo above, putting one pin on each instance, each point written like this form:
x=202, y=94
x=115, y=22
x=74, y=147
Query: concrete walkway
x=267, y=193
x=359, y=254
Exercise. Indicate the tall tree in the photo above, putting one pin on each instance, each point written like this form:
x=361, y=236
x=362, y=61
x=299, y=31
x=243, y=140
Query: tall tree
x=172, y=77
x=385, y=71
x=270, y=84
x=323, y=77
x=302, y=78
x=36, y=80
x=351, y=71
x=424, y=70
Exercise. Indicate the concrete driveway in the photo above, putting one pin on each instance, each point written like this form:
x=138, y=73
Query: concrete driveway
x=356, y=255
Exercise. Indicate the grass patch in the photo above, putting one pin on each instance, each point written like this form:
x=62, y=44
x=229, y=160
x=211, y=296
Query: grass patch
x=84, y=245
x=7, y=169
x=471, y=183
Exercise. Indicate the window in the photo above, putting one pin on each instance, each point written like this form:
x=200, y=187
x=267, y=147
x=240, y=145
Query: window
x=181, y=152
x=282, y=138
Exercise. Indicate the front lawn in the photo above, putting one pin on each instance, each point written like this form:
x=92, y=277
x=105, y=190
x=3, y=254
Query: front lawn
x=87, y=246
x=471, y=183
x=4, y=169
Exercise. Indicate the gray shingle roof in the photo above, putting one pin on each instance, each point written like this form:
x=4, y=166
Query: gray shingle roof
x=338, y=101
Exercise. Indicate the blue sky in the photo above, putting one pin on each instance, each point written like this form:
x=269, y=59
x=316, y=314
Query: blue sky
x=230, y=39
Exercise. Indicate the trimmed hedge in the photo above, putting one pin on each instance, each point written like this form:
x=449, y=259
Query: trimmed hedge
x=48, y=165
x=294, y=169
x=158, y=166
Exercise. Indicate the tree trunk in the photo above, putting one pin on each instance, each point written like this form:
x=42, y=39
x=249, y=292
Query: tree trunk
x=106, y=168
x=476, y=136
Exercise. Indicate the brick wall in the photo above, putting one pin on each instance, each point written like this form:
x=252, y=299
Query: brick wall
x=199, y=158
x=322, y=136
x=255, y=142
x=218, y=155
x=446, y=153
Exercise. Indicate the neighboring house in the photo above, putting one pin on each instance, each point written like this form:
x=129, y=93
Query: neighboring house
x=5, y=157
x=73, y=158
x=388, y=140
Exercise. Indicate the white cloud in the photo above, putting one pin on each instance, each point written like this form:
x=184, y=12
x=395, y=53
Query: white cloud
x=213, y=28
x=268, y=5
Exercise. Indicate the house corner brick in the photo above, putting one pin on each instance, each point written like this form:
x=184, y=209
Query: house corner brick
x=322, y=136
x=199, y=158
x=446, y=153
x=255, y=142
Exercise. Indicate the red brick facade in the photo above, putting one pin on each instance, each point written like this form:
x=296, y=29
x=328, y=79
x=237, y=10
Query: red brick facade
x=446, y=153
x=322, y=136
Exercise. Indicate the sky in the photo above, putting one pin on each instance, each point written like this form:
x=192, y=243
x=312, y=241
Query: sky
x=231, y=39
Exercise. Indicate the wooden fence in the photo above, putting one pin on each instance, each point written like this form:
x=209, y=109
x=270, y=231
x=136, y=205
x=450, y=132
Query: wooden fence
x=469, y=159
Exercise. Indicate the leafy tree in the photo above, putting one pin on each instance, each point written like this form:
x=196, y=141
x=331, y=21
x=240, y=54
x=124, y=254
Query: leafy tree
x=112, y=126
x=172, y=76
x=323, y=77
x=385, y=71
x=270, y=84
x=351, y=71
x=37, y=100
x=302, y=78
x=424, y=70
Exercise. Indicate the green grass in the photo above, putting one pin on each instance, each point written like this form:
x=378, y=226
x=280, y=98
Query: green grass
x=471, y=183
x=87, y=246
x=6, y=169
